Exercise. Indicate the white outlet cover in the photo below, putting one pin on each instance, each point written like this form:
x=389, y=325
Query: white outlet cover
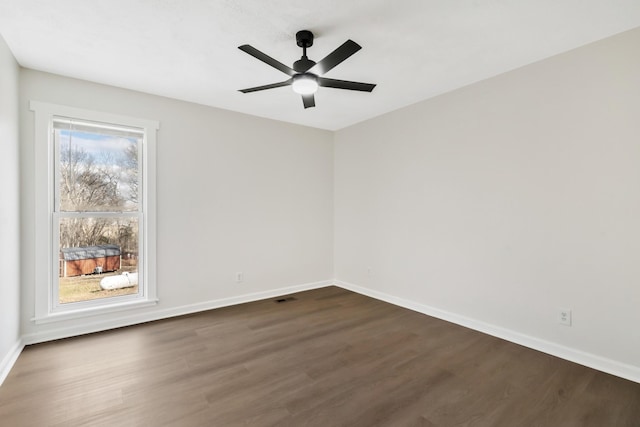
x=564, y=316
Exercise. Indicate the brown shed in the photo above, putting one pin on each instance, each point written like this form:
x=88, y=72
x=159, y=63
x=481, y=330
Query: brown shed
x=89, y=260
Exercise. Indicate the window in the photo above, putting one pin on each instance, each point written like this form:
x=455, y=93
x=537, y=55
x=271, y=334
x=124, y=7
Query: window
x=95, y=212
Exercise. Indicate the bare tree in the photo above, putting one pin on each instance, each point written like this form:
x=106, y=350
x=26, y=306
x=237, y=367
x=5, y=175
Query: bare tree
x=88, y=185
x=129, y=163
x=85, y=185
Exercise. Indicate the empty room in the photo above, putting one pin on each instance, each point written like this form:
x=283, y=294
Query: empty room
x=232, y=213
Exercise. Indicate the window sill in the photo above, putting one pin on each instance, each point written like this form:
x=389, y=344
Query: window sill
x=93, y=311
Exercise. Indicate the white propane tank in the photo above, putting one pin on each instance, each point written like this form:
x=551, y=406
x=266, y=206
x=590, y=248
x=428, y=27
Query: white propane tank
x=123, y=280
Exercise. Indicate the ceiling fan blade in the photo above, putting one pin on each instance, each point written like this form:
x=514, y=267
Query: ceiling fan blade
x=308, y=100
x=266, y=59
x=345, y=84
x=347, y=49
x=271, y=86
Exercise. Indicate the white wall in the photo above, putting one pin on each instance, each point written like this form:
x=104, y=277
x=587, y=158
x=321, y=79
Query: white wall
x=9, y=211
x=235, y=194
x=505, y=200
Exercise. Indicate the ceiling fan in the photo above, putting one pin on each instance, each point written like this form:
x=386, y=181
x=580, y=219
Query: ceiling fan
x=306, y=75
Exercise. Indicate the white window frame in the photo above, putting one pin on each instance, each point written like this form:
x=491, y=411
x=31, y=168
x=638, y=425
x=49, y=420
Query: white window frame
x=46, y=229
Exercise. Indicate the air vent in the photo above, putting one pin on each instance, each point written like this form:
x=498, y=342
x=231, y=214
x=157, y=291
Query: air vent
x=281, y=300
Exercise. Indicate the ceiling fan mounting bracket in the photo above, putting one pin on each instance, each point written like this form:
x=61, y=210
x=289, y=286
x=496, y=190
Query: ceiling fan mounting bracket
x=304, y=38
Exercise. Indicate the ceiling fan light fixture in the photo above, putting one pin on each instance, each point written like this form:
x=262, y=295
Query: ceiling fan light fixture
x=305, y=84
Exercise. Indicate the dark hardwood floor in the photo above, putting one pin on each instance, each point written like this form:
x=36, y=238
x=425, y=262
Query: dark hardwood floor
x=328, y=358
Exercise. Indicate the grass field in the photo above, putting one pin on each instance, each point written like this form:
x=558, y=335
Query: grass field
x=84, y=288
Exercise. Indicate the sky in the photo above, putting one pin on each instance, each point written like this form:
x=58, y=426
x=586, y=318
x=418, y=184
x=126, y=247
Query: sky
x=96, y=143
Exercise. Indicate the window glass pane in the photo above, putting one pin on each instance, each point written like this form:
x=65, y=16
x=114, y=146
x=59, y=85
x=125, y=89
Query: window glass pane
x=98, y=258
x=97, y=167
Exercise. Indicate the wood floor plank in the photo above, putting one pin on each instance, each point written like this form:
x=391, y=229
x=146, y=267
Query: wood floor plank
x=328, y=357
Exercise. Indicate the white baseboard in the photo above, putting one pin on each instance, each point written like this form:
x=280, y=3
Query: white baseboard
x=87, y=327
x=10, y=359
x=603, y=364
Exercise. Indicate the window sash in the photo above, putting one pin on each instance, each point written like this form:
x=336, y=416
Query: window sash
x=56, y=305
x=63, y=123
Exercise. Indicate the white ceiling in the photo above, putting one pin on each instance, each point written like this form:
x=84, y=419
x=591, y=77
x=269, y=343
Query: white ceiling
x=412, y=49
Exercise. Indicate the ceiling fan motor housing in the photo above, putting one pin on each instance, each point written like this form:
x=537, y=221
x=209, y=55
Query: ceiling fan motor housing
x=303, y=64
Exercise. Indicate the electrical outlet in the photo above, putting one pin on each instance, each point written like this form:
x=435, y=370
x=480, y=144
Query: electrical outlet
x=239, y=277
x=564, y=316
